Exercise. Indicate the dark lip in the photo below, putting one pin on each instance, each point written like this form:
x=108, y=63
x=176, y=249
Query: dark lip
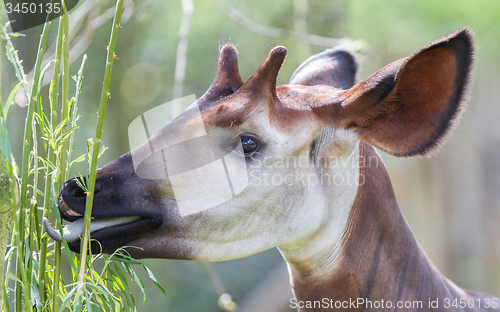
x=65, y=211
x=109, y=239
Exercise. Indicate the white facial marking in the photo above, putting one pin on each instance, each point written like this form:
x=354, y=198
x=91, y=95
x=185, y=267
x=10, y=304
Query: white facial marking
x=328, y=214
x=292, y=201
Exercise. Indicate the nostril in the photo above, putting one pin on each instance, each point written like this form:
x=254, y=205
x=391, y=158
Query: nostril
x=77, y=192
x=73, y=188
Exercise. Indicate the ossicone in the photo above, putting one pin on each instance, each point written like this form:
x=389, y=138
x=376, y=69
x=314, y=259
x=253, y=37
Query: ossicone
x=228, y=79
x=264, y=80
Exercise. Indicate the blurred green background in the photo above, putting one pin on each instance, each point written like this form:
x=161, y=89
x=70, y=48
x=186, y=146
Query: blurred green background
x=452, y=200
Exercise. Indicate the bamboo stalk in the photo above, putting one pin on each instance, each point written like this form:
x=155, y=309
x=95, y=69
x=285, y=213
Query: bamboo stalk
x=65, y=86
x=96, y=146
x=64, y=59
x=33, y=211
x=25, y=172
x=53, y=99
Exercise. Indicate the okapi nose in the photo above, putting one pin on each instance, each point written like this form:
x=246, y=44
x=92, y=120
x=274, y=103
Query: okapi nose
x=72, y=187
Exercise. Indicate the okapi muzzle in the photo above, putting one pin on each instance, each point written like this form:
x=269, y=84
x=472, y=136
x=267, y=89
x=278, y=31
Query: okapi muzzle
x=251, y=166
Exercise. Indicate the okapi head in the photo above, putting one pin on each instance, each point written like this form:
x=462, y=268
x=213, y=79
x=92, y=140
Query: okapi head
x=300, y=146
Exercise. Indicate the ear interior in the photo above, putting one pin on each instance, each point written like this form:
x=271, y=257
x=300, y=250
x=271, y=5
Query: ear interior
x=333, y=67
x=407, y=107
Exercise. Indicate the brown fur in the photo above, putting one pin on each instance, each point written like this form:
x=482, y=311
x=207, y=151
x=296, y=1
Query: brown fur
x=378, y=257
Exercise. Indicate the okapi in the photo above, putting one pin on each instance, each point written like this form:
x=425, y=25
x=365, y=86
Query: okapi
x=346, y=243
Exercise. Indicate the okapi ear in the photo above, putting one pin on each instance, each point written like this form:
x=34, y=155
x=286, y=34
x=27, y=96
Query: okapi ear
x=407, y=107
x=333, y=67
x=227, y=79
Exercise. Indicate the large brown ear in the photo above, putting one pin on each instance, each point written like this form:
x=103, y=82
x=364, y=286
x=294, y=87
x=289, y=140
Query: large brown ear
x=407, y=107
x=332, y=67
x=227, y=79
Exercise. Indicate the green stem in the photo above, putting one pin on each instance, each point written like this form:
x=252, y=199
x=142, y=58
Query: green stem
x=6, y=305
x=32, y=96
x=63, y=45
x=65, y=87
x=97, y=142
x=74, y=108
x=41, y=271
x=57, y=273
x=54, y=84
x=43, y=241
x=49, y=180
x=64, y=57
x=33, y=213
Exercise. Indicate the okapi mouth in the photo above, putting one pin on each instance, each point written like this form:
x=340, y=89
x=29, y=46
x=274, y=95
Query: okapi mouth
x=107, y=233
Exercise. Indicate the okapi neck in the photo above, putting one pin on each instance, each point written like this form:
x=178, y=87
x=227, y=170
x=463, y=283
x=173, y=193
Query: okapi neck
x=378, y=258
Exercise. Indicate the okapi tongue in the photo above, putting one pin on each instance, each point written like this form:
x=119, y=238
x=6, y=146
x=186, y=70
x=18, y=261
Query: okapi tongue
x=73, y=231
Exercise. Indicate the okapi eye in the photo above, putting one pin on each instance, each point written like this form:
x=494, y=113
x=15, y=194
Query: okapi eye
x=249, y=145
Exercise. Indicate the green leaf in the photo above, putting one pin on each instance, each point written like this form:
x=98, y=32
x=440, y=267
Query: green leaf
x=88, y=302
x=82, y=183
x=4, y=142
x=103, y=150
x=35, y=294
x=98, y=289
x=10, y=249
x=122, y=255
x=10, y=100
x=13, y=277
x=153, y=278
x=118, y=286
x=122, y=276
x=90, y=142
x=76, y=300
x=16, y=34
x=139, y=283
x=79, y=159
x=122, y=258
x=118, y=305
x=68, y=298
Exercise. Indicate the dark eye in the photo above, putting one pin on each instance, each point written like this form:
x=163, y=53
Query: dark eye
x=249, y=145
